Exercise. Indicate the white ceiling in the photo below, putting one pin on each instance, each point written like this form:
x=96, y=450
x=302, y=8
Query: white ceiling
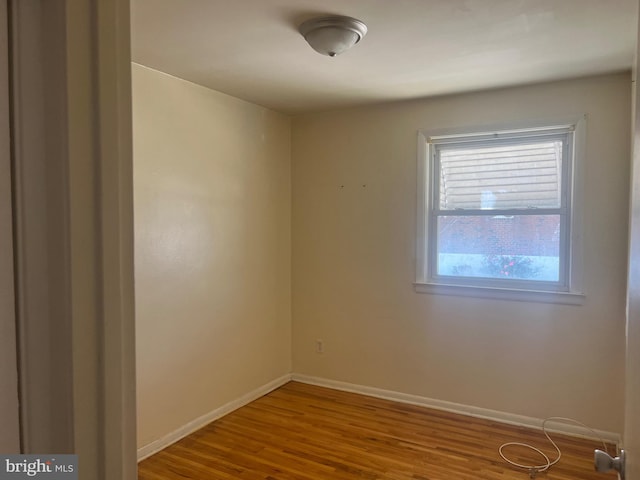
x=251, y=49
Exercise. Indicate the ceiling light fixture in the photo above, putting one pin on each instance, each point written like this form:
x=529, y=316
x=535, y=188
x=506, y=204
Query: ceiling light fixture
x=333, y=35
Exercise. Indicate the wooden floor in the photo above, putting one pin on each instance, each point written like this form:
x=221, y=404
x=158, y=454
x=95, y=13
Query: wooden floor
x=306, y=432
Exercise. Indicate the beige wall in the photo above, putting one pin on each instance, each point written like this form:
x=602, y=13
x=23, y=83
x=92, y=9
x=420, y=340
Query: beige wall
x=213, y=257
x=354, y=204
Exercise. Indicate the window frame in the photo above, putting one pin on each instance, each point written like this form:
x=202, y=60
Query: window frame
x=569, y=287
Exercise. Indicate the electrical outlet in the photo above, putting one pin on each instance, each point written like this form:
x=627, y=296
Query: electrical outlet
x=319, y=346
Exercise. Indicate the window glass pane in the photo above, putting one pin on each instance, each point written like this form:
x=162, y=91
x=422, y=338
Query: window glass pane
x=502, y=176
x=514, y=247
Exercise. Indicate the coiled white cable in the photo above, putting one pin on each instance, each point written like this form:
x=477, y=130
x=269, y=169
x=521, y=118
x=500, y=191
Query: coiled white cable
x=534, y=469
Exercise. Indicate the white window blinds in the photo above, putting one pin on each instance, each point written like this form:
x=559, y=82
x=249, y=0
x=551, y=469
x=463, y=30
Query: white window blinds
x=500, y=176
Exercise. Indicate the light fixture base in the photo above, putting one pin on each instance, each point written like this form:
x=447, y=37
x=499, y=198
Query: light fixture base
x=332, y=35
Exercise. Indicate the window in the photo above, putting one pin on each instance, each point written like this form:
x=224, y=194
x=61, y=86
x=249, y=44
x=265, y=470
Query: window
x=496, y=213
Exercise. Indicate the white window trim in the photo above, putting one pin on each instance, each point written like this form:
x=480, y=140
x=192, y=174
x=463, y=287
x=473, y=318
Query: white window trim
x=575, y=294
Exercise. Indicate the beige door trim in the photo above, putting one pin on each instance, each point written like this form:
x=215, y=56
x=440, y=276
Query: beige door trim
x=74, y=229
x=9, y=425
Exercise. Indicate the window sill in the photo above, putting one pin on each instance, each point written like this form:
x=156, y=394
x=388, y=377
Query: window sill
x=564, y=298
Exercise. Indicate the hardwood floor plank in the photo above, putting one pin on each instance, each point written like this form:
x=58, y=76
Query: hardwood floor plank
x=305, y=432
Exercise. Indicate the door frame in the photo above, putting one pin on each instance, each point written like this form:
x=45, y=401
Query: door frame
x=73, y=211
x=631, y=439
x=9, y=412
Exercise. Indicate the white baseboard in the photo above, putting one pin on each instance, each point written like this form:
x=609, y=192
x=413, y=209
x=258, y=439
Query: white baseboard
x=173, y=437
x=495, y=415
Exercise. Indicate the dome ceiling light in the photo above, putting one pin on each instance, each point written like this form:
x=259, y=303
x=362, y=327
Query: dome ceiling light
x=332, y=35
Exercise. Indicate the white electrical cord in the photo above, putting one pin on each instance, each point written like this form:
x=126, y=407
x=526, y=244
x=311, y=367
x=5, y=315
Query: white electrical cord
x=534, y=469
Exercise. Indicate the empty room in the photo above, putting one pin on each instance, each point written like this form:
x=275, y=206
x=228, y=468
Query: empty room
x=385, y=239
